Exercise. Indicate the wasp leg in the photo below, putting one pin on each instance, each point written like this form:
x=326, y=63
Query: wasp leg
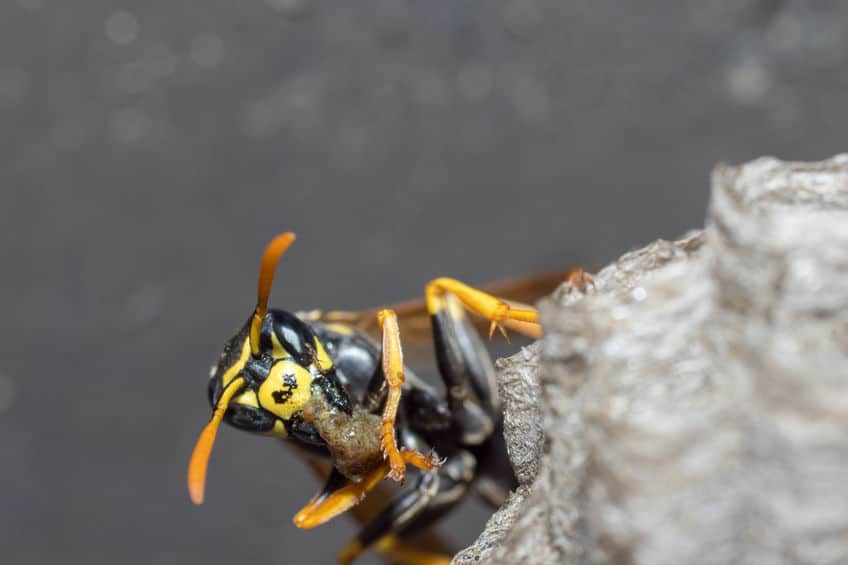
x=499, y=313
x=392, y=362
x=435, y=493
x=403, y=554
x=338, y=496
x=466, y=370
x=422, y=404
x=580, y=280
x=468, y=373
x=397, y=550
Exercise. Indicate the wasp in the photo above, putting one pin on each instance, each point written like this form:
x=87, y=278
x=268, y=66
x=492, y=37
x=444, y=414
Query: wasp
x=319, y=379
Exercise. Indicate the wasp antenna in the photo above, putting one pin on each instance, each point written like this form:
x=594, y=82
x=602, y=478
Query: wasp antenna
x=199, y=461
x=273, y=251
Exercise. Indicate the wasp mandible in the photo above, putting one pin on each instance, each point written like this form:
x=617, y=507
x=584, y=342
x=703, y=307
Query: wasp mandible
x=319, y=378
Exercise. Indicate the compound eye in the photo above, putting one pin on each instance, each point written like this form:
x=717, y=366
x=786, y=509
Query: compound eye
x=286, y=390
x=295, y=337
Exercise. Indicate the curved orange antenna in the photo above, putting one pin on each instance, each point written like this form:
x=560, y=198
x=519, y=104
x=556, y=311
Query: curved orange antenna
x=199, y=461
x=273, y=251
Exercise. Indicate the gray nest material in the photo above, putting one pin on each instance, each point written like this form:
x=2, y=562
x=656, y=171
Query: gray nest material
x=692, y=407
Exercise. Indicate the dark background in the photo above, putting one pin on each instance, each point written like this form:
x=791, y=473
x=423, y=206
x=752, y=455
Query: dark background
x=148, y=150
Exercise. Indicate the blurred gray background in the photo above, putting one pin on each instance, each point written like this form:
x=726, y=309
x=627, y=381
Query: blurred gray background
x=149, y=149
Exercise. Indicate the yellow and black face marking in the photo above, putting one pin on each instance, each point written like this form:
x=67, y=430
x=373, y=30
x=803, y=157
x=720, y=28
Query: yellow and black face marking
x=286, y=390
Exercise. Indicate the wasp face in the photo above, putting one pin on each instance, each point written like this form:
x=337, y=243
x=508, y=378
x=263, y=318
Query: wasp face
x=278, y=379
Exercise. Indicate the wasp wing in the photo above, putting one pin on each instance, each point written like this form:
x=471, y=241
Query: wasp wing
x=414, y=320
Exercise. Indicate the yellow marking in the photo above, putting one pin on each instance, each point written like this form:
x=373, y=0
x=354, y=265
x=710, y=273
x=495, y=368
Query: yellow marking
x=455, y=308
x=310, y=316
x=340, y=328
x=435, y=303
x=247, y=398
x=284, y=396
x=236, y=367
x=277, y=349
x=279, y=430
x=322, y=360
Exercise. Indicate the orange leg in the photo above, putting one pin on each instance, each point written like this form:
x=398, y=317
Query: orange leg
x=581, y=280
x=401, y=553
x=499, y=313
x=396, y=550
x=327, y=506
x=393, y=373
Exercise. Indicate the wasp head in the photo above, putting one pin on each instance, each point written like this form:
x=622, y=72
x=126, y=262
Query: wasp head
x=277, y=380
x=267, y=373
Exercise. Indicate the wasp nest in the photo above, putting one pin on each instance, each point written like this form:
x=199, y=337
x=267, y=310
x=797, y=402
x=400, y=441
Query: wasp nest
x=693, y=406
